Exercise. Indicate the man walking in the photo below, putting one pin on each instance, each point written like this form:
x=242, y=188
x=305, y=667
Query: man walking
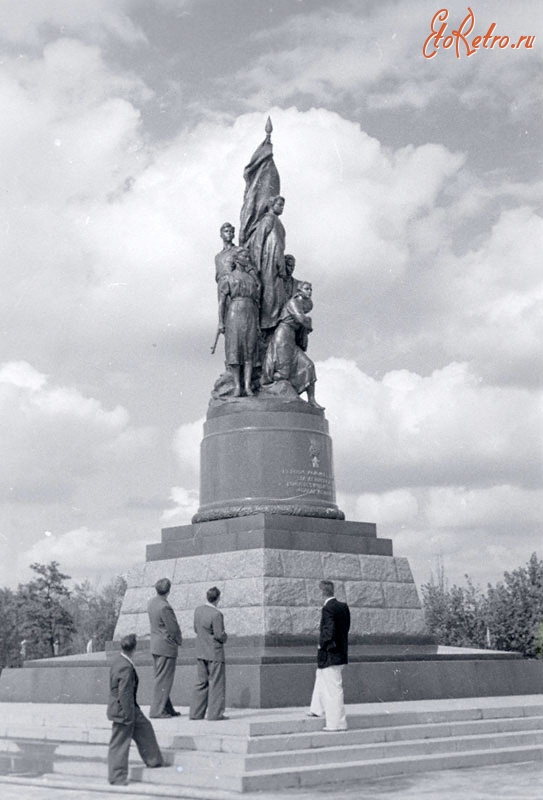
x=332, y=655
x=127, y=718
x=210, y=690
x=165, y=639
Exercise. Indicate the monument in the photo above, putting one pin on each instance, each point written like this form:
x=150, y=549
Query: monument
x=268, y=528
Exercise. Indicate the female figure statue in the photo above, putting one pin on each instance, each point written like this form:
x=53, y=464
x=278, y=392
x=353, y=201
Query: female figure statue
x=286, y=358
x=267, y=247
x=239, y=292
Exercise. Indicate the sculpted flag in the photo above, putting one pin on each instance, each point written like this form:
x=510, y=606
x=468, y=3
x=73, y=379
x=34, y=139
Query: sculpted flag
x=261, y=183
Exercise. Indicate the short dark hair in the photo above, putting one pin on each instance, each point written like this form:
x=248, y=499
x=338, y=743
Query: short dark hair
x=163, y=586
x=129, y=642
x=327, y=588
x=213, y=594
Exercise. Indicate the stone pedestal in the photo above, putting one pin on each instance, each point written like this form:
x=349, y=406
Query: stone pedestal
x=268, y=567
x=267, y=531
x=266, y=455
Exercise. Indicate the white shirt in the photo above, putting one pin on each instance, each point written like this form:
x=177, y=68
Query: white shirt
x=123, y=655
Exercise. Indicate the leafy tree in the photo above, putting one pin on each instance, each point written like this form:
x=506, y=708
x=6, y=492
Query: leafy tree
x=538, y=641
x=95, y=613
x=515, y=608
x=455, y=616
x=508, y=617
x=9, y=630
x=45, y=622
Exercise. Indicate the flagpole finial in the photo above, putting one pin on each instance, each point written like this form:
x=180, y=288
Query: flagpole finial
x=268, y=128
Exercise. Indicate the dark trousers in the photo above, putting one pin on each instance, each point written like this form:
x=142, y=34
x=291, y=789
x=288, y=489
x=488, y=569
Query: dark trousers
x=164, y=673
x=210, y=690
x=141, y=731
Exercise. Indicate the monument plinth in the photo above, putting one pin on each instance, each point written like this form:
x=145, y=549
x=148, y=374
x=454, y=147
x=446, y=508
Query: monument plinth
x=266, y=456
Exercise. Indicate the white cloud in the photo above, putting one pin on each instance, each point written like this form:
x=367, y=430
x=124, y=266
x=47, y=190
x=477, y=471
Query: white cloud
x=53, y=436
x=185, y=505
x=84, y=553
x=410, y=430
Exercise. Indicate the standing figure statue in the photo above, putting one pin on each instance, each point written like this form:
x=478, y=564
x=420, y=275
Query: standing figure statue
x=267, y=247
x=292, y=284
x=286, y=359
x=239, y=292
x=222, y=259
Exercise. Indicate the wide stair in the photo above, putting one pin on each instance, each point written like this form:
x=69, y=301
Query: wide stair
x=280, y=750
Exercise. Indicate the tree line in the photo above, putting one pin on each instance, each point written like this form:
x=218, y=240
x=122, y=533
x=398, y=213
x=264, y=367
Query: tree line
x=507, y=616
x=46, y=617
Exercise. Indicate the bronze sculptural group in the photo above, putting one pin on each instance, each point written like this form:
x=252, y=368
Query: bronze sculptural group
x=263, y=309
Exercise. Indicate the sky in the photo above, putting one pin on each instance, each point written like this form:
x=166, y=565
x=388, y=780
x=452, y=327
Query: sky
x=413, y=191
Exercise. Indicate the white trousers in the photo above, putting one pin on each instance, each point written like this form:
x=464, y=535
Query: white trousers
x=327, y=698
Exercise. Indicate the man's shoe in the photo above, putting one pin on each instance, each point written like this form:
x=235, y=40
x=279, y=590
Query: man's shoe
x=119, y=783
x=175, y=714
x=311, y=714
x=334, y=730
x=162, y=716
x=217, y=719
x=195, y=717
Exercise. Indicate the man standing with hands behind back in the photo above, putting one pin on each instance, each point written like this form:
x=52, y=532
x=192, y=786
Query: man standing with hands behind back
x=332, y=654
x=210, y=690
x=128, y=720
x=165, y=639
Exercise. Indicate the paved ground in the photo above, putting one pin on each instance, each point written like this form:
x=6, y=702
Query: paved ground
x=511, y=781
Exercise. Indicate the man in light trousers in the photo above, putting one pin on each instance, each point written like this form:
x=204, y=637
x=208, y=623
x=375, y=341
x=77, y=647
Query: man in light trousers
x=332, y=655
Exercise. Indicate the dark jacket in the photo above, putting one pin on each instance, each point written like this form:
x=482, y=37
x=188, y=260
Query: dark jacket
x=165, y=631
x=123, y=686
x=334, y=630
x=210, y=633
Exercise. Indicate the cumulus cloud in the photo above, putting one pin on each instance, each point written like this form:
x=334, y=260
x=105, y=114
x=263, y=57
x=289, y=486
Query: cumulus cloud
x=445, y=428
x=53, y=436
x=84, y=553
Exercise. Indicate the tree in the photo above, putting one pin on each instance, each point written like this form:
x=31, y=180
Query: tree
x=516, y=608
x=45, y=623
x=95, y=613
x=508, y=617
x=455, y=616
x=9, y=630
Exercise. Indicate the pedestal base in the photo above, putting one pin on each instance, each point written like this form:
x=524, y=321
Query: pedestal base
x=268, y=568
x=272, y=679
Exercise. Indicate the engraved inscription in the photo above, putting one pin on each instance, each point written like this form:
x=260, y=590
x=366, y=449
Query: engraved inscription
x=302, y=482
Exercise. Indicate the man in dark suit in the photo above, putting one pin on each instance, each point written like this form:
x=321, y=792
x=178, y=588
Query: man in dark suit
x=332, y=655
x=127, y=718
x=165, y=639
x=210, y=690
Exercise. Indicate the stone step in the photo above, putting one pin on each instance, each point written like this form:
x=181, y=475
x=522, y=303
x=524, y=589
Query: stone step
x=233, y=763
x=305, y=776
x=315, y=739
